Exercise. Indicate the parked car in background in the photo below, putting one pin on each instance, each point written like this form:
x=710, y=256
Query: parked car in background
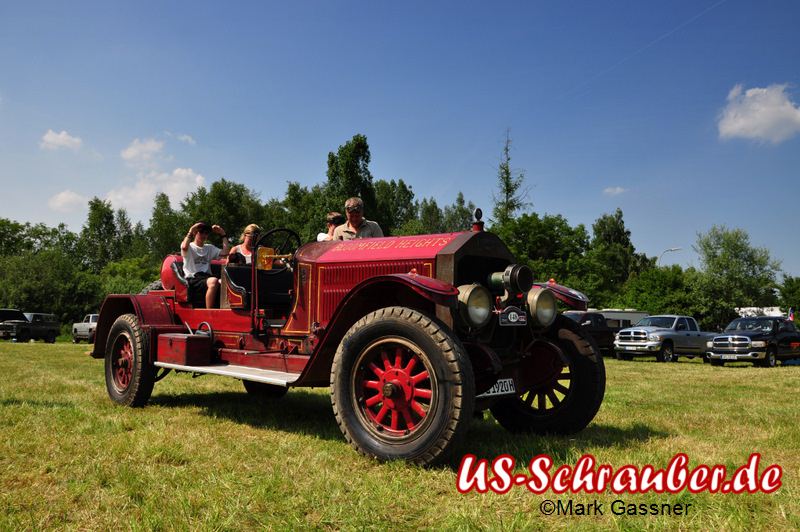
x=666, y=337
x=597, y=326
x=22, y=327
x=618, y=318
x=84, y=330
x=761, y=340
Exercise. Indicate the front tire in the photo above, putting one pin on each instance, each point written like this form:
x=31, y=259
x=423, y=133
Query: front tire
x=623, y=356
x=770, y=360
x=130, y=375
x=402, y=387
x=561, y=399
x=666, y=354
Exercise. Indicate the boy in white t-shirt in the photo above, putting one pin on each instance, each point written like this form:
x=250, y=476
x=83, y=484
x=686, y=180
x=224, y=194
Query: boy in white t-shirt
x=197, y=257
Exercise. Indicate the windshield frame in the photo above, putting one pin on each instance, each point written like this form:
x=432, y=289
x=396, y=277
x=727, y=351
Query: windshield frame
x=744, y=324
x=651, y=322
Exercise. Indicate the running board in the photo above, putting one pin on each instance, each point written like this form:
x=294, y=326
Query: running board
x=244, y=373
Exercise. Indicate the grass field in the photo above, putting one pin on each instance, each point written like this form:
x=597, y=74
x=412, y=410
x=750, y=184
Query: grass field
x=204, y=455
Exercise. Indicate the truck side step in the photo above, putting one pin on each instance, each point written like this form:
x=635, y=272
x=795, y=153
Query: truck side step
x=244, y=373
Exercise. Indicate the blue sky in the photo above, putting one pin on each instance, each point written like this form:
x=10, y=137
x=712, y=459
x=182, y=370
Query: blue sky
x=682, y=113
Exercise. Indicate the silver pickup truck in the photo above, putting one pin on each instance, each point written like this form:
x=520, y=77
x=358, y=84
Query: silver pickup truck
x=84, y=330
x=666, y=337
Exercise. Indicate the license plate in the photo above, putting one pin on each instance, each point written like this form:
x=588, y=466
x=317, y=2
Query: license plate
x=501, y=387
x=728, y=357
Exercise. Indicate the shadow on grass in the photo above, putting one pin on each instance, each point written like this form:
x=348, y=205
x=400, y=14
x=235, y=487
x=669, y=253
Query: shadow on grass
x=34, y=403
x=302, y=412
x=298, y=412
x=488, y=440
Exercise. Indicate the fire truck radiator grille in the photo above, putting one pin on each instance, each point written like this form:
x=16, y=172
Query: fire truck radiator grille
x=336, y=281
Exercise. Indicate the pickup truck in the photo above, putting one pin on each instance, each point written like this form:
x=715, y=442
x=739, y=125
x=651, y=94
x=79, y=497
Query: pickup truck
x=84, y=330
x=23, y=327
x=760, y=340
x=666, y=337
x=598, y=328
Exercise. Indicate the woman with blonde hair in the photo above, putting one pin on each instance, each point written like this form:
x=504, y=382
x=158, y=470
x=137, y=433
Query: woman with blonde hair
x=245, y=249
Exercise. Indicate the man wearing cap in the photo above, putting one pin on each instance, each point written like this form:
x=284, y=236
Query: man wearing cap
x=197, y=257
x=356, y=225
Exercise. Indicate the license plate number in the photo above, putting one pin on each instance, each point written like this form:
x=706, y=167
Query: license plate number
x=501, y=387
x=728, y=357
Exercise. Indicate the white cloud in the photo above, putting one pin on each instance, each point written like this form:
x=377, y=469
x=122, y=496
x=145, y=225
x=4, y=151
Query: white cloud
x=54, y=141
x=765, y=114
x=67, y=201
x=614, y=191
x=188, y=139
x=138, y=198
x=142, y=152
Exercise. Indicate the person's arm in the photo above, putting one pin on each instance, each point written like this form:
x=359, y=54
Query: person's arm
x=377, y=231
x=188, y=238
x=226, y=245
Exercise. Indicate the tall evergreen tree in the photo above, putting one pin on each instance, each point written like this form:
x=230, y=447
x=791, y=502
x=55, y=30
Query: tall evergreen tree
x=510, y=196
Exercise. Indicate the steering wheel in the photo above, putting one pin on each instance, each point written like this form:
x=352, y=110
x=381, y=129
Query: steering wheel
x=283, y=240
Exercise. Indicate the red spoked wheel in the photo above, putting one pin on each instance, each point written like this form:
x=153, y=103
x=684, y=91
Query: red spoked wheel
x=402, y=387
x=122, y=362
x=130, y=375
x=395, y=387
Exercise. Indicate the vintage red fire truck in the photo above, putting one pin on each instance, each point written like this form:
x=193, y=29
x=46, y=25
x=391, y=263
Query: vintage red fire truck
x=412, y=334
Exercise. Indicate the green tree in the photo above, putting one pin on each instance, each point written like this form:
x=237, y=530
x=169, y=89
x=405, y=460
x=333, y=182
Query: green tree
x=59, y=286
x=663, y=290
x=97, y=243
x=458, y=216
x=734, y=274
x=127, y=276
x=167, y=228
x=349, y=175
x=510, y=197
x=613, y=253
x=790, y=293
x=394, y=205
x=230, y=205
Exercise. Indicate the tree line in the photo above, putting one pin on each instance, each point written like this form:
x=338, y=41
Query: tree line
x=52, y=269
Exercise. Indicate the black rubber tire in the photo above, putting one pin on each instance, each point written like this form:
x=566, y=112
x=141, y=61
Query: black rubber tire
x=667, y=353
x=715, y=362
x=262, y=390
x=50, y=338
x=578, y=407
x=771, y=360
x=143, y=372
x=452, y=386
x=90, y=339
x=75, y=340
x=623, y=356
x=23, y=337
x=155, y=285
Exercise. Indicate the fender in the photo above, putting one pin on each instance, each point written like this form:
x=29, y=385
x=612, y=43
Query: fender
x=399, y=289
x=153, y=312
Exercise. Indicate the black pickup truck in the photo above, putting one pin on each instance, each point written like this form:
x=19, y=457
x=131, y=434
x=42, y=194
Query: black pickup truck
x=597, y=327
x=16, y=325
x=761, y=340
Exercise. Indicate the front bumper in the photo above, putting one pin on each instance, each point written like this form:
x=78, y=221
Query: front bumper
x=737, y=356
x=637, y=347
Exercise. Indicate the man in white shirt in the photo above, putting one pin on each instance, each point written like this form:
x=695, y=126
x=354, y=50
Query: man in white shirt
x=197, y=257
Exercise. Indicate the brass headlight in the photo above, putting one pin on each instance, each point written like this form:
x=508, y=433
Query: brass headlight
x=542, y=307
x=474, y=305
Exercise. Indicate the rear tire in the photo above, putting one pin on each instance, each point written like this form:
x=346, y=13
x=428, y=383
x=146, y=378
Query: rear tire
x=581, y=385
x=130, y=375
x=402, y=387
x=262, y=390
x=50, y=339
